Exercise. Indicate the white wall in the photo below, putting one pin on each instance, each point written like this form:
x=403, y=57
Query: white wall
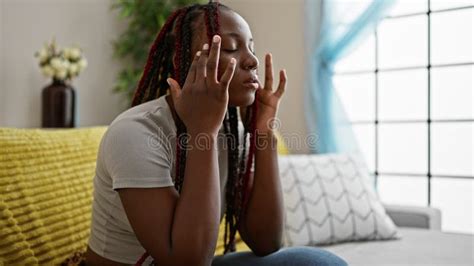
x=25, y=26
x=2, y=85
x=277, y=26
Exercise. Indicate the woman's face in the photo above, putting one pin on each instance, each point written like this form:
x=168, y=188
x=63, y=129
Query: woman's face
x=237, y=42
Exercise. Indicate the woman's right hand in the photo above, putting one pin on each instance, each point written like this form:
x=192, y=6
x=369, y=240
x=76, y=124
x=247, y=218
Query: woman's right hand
x=202, y=102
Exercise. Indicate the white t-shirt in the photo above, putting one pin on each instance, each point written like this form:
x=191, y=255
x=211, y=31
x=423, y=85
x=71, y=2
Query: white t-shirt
x=137, y=151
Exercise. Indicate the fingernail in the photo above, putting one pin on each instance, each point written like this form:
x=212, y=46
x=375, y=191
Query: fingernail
x=205, y=46
x=169, y=81
x=198, y=53
x=215, y=38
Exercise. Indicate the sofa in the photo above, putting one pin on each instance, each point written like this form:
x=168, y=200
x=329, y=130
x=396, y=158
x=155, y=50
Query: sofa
x=422, y=242
x=46, y=194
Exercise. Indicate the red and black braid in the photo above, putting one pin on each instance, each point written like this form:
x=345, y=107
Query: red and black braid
x=152, y=60
x=183, y=58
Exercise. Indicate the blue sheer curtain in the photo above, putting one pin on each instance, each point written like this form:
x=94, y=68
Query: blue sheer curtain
x=343, y=25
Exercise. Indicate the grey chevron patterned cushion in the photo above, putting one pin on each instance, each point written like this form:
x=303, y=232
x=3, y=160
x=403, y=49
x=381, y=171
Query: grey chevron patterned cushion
x=331, y=199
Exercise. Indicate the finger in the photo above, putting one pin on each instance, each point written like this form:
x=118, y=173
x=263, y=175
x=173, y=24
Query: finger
x=228, y=74
x=191, y=77
x=268, y=72
x=201, y=64
x=213, y=60
x=259, y=85
x=175, y=89
x=282, y=85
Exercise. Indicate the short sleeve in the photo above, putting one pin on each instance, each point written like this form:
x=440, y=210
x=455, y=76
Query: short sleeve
x=137, y=154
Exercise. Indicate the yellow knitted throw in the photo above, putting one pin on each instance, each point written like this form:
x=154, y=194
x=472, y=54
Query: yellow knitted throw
x=46, y=194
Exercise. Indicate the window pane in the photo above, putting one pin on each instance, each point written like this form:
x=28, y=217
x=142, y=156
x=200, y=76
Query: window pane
x=403, y=148
x=361, y=58
x=365, y=136
x=451, y=36
x=346, y=11
x=445, y=4
x=403, y=42
x=452, y=93
x=455, y=199
x=452, y=148
x=403, y=95
x=403, y=7
x=357, y=94
x=413, y=188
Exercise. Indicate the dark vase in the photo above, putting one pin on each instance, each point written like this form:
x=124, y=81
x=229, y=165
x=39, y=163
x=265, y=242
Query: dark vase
x=58, y=105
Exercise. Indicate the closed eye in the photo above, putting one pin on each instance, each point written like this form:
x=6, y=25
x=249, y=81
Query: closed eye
x=235, y=50
x=230, y=50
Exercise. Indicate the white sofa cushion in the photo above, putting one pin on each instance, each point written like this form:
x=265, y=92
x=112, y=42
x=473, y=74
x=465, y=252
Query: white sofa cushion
x=331, y=199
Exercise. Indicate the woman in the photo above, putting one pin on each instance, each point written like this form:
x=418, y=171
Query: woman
x=169, y=168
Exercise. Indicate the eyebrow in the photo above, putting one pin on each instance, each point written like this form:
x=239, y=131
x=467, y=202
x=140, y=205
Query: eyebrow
x=235, y=35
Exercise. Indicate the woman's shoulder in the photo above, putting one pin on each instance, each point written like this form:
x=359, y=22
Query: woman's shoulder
x=150, y=116
x=149, y=121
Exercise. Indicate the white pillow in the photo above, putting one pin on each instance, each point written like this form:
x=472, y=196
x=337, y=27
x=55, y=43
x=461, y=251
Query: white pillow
x=329, y=199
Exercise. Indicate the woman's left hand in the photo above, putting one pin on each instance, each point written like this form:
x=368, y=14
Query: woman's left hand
x=267, y=99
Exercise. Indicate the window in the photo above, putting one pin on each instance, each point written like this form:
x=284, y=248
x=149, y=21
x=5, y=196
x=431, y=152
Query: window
x=408, y=90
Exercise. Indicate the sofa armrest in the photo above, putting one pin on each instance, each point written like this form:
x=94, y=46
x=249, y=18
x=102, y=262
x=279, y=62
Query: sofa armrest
x=414, y=216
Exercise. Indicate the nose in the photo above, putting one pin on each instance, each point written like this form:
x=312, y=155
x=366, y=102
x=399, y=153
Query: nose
x=250, y=61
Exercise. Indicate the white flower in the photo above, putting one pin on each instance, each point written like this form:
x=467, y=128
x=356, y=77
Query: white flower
x=65, y=64
x=82, y=64
x=43, y=55
x=61, y=63
x=48, y=71
x=74, y=69
x=61, y=74
x=66, y=53
x=56, y=63
x=74, y=53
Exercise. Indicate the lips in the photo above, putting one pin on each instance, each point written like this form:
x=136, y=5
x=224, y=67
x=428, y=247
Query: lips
x=251, y=82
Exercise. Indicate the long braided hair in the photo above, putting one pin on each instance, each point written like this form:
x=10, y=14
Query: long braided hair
x=175, y=38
